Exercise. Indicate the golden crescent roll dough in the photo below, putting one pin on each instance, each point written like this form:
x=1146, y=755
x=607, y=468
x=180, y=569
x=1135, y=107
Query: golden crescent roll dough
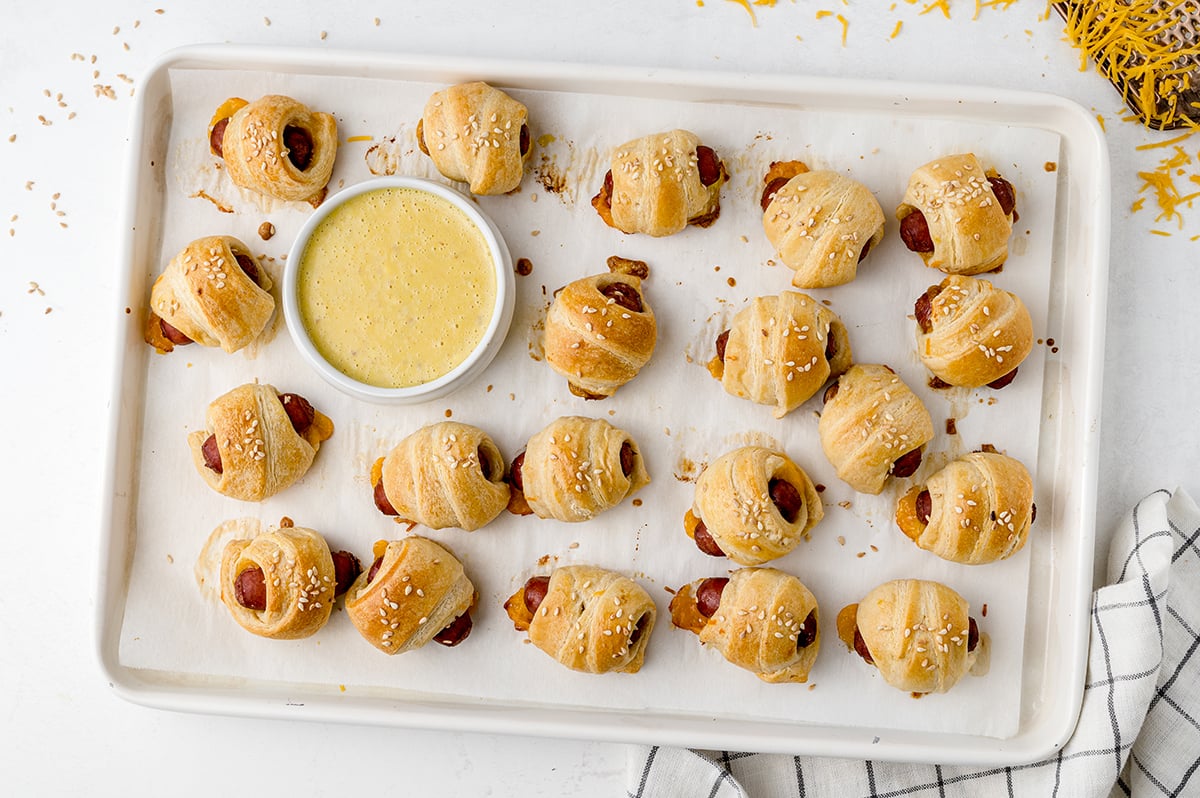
x=445, y=475
x=973, y=333
x=780, y=351
x=574, y=469
x=657, y=185
x=261, y=453
x=767, y=622
x=476, y=134
x=207, y=294
x=822, y=224
x=418, y=589
x=277, y=146
x=980, y=507
x=591, y=619
x=968, y=229
x=297, y=575
x=600, y=331
x=872, y=421
x=756, y=504
x=918, y=634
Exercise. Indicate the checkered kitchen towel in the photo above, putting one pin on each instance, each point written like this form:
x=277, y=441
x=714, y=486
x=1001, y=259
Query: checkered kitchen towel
x=1138, y=732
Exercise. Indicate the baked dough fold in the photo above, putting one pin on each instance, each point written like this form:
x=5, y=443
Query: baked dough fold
x=780, y=351
x=477, y=134
x=591, y=619
x=578, y=467
x=980, y=507
x=967, y=226
x=445, y=475
x=973, y=333
x=264, y=140
x=819, y=223
x=599, y=333
x=918, y=634
x=871, y=422
x=748, y=516
x=661, y=183
x=206, y=293
x=767, y=622
x=261, y=453
x=415, y=589
x=297, y=575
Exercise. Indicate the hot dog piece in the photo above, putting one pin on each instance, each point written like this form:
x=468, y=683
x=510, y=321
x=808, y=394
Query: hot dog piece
x=276, y=146
x=970, y=333
x=661, y=183
x=752, y=505
x=873, y=427
x=822, y=224
x=760, y=619
x=780, y=350
x=578, y=467
x=917, y=633
x=281, y=583
x=477, y=134
x=201, y=296
x=957, y=215
x=443, y=475
x=415, y=591
x=600, y=331
x=975, y=510
x=456, y=632
x=586, y=618
x=251, y=447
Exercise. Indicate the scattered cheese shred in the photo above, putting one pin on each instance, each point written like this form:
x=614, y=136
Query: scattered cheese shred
x=1155, y=145
x=940, y=5
x=896, y=30
x=1166, y=193
x=1161, y=233
x=845, y=28
x=358, y=138
x=749, y=6
x=1100, y=119
x=982, y=4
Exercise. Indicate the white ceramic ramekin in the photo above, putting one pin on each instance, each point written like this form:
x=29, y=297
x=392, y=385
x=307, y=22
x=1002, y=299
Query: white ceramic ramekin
x=460, y=375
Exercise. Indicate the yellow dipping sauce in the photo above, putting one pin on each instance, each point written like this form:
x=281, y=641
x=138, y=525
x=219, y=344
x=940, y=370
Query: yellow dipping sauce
x=396, y=287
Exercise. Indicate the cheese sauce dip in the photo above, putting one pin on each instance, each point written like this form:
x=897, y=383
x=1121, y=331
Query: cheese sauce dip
x=396, y=287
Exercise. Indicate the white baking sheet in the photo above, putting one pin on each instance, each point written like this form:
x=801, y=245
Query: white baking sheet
x=678, y=413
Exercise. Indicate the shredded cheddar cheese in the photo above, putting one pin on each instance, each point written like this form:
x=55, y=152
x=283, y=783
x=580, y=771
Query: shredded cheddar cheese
x=896, y=30
x=1162, y=183
x=940, y=5
x=358, y=138
x=749, y=6
x=1130, y=43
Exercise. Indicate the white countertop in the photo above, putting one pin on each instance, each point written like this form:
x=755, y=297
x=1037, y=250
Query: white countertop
x=65, y=731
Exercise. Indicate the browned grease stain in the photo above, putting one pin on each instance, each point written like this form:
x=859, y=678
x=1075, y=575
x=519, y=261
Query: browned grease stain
x=548, y=175
x=689, y=470
x=951, y=426
x=205, y=195
x=524, y=267
x=732, y=282
x=1051, y=166
x=381, y=158
x=637, y=502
